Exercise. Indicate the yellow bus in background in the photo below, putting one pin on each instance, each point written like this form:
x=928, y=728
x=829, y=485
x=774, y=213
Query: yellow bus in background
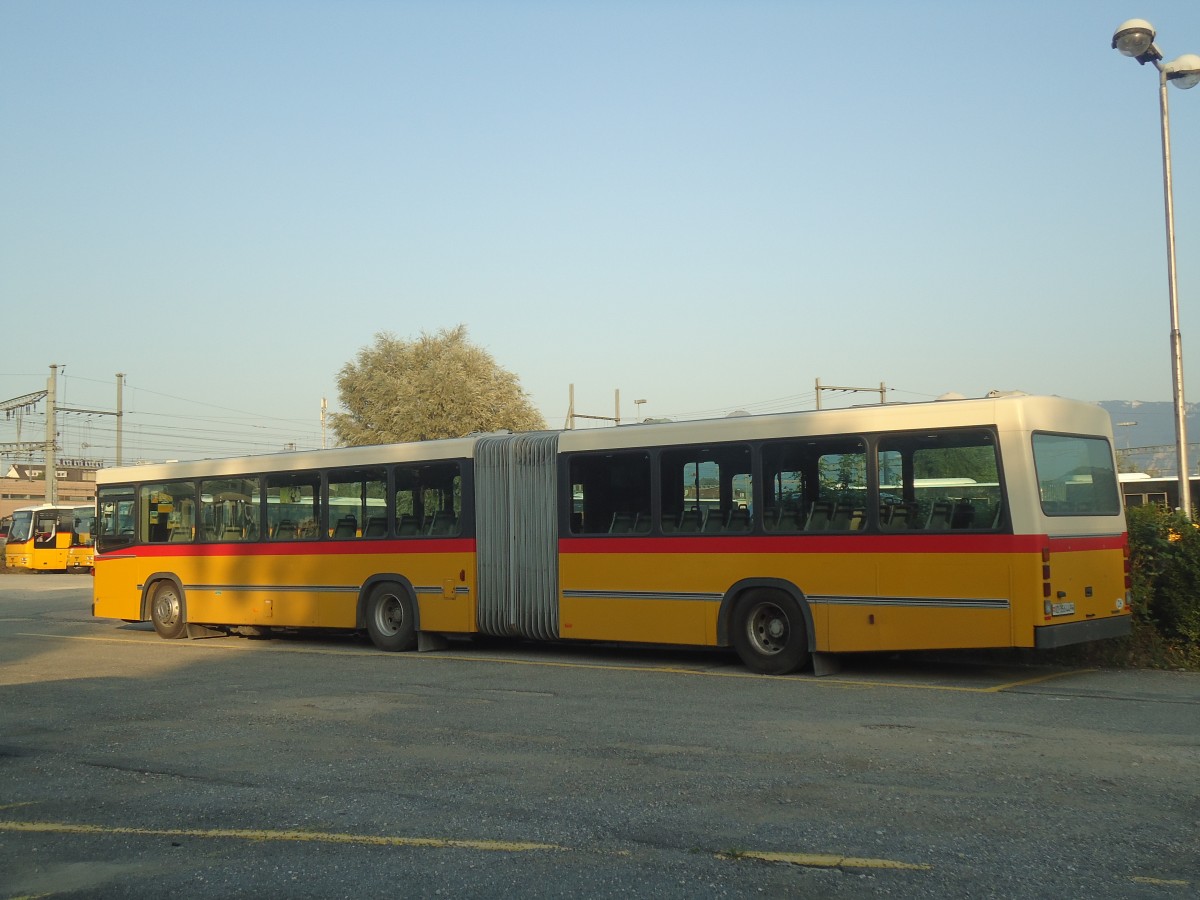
x=50, y=538
x=989, y=523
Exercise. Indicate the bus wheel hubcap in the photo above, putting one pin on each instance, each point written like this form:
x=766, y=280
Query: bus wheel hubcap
x=768, y=629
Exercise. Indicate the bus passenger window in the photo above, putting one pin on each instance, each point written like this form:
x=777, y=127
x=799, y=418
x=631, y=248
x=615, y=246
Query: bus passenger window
x=357, y=505
x=815, y=485
x=168, y=512
x=229, y=508
x=705, y=490
x=945, y=481
x=293, y=502
x=428, y=500
x=610, y=493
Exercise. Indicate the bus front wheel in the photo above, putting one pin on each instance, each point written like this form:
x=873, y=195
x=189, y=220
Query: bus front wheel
x=166, y=611
x=769, y=633
x=391, y=621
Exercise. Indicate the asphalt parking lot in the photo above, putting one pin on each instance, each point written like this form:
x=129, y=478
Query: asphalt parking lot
x=317, y=766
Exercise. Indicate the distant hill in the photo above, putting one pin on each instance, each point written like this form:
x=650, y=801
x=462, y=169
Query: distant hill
x=1145, y=434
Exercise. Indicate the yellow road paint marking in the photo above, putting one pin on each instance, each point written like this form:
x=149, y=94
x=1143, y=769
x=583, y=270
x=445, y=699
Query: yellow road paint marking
x=248, y=834
x=828, y=860
x=1039, y=679
x=1173, y=882
x=825, y=681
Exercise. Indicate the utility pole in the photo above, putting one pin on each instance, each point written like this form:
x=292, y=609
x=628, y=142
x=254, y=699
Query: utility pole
x=829, y=387
x=120, y=412
x=49, y=446
x=51, y=435
x=324, y=411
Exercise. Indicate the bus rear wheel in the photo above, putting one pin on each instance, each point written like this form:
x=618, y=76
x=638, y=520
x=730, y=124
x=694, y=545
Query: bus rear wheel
x=166, y=611
x=391, y=620
x=769, y=632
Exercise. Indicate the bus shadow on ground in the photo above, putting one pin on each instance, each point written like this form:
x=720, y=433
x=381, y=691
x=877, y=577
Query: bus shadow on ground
x=965, y=670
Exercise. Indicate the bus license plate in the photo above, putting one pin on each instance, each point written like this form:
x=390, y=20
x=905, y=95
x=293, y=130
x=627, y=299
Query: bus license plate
x=1063, y=609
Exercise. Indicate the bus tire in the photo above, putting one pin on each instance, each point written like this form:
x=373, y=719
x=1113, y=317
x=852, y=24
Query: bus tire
x=166, y=611
x=769, y=632
x=391, y=619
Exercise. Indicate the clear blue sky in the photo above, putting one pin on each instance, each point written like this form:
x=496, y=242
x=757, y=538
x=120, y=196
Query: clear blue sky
x=706, y=205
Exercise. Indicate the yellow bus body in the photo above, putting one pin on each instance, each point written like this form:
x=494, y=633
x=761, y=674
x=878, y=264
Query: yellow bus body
x=60, y=552
x=865, y=600
x=1034, y=574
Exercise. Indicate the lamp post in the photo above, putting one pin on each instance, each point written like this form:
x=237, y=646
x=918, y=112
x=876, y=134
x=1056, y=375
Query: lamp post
x=1136, y=38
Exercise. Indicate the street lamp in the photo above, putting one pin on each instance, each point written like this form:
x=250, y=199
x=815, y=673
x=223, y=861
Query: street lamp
x=638, y=415
x=1136, y=38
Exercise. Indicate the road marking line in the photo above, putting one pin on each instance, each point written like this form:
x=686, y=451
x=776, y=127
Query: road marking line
x=1174, y=882
x=1039, y=679
x=824, y=681
x=827, y=860
x=248, y=834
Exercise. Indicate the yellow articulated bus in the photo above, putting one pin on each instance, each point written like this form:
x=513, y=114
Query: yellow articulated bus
x=950, y=524
x=50, y=538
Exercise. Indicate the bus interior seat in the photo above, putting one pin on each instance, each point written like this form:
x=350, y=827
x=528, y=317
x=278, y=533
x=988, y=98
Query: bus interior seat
x=232, y=533
x=739, y=519
x=846, y=517
x=714, y=522
x=622, y=523
x=998, y=516
x=376, y=526
x=285, y=531
x=347, y=527
x=443, y=522
x=963, y=516
x=691, y=521
x=785, y=518
x=895, y=517
x=940, y=516
x=819, y=515
x=180, y=534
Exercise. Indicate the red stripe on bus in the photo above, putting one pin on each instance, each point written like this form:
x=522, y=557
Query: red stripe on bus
x=316, y=548
x=1075, y=544
x=850, y=543
x=699, y=544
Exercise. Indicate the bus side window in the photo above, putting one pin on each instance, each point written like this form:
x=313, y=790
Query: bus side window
x=167, y=511
x=292, y=507
x=942, y=481
x=705, y=489
x=610, y=493
x=428, y=500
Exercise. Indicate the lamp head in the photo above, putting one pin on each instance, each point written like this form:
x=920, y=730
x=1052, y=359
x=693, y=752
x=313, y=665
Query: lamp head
x=1133, y=37
x=1183, y=72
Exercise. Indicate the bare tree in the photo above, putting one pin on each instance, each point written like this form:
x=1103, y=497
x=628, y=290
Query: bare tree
x=436, y=386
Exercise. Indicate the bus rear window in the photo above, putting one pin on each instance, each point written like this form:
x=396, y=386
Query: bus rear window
x=1076, y=475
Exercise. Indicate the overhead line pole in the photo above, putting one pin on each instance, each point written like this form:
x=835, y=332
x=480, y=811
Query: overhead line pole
x=572, y=415
x=51, y=435
x=829, y=387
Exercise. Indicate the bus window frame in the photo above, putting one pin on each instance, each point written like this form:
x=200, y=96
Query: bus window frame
x=1119, y=504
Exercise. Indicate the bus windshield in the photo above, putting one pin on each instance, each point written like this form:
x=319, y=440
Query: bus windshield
x=22, y=526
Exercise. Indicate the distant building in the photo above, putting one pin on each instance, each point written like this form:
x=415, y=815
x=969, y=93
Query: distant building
x=24, y=484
